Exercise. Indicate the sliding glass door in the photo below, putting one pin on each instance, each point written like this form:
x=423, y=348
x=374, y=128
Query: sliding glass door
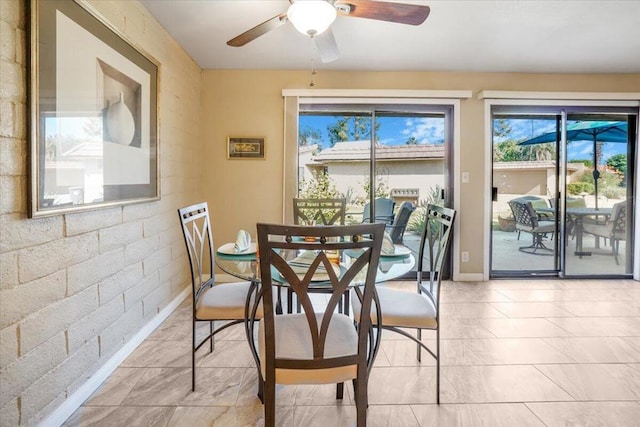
x=562, y=199
x=383, y=159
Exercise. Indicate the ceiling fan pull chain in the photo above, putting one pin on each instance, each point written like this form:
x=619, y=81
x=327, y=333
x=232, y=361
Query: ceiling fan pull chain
x=313, y=61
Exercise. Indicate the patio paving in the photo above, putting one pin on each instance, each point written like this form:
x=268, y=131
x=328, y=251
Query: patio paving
x=507, y=257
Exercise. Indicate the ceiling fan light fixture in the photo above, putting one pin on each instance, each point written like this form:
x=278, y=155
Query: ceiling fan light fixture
x=311, y=17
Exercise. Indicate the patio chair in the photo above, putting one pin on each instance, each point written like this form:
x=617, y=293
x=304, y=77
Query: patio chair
x=527, y=220
x=383, y=211
x=210, y=301
x=420, y=310
x=537, y=202
x=400, y=221
x=614, y=229
x=319, y=211
x=315, y=347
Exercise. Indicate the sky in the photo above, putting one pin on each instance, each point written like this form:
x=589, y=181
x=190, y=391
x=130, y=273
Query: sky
x=392, y=131
x=430, y=130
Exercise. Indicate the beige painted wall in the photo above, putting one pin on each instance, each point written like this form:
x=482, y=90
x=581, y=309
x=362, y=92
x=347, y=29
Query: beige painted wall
x=249, y=103
x=74, y=288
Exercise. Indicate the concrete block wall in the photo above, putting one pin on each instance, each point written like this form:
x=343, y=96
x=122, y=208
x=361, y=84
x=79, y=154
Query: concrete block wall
x=74, y=288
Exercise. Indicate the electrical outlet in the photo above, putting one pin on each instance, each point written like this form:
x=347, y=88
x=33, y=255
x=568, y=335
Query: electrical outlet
x=465, y=256
x=465, y=177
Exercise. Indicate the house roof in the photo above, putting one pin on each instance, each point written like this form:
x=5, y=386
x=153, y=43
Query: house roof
x=359, y=151
x=536, y=164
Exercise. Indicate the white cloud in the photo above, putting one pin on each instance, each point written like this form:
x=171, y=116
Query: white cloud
x=427, y=130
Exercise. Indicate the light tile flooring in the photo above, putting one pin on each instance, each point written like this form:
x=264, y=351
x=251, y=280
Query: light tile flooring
x=525, y=353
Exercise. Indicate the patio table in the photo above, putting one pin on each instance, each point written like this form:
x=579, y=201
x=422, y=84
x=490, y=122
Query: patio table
x=578, y=215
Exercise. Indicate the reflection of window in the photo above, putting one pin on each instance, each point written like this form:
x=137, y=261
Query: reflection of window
x=73, y=159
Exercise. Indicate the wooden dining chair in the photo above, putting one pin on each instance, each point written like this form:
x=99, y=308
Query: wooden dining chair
x=317, y=347
x=325, y=211
x=419, y=310
x=211, y=302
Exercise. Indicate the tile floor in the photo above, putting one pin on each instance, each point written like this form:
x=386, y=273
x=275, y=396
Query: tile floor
x=525, y=353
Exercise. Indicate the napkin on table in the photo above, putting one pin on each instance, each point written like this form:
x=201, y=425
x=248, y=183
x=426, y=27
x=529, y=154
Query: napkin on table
x=243, y=242
x=300, y=265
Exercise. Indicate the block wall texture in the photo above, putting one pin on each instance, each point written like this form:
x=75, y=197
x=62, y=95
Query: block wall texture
x=75, y=287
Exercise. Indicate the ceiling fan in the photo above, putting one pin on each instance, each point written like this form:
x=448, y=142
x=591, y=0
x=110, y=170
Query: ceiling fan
x=314, y=17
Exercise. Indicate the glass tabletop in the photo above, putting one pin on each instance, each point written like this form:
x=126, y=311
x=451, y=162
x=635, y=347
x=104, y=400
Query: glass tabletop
x=247, y=267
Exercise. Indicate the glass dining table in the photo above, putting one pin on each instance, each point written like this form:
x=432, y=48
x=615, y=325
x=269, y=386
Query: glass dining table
x=247, y=267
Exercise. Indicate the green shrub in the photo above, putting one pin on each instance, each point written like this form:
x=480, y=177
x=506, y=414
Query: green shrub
x=607, y=179
x=419, y=217
x=577, y=188
x=614, y=192
x=321, y=186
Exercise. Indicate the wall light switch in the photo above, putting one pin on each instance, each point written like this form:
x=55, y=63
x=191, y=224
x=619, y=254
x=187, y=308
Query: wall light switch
x=465, y=177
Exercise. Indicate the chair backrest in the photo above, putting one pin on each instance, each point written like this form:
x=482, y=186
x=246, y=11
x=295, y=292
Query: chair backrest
x=400, y=221
x=436, y=237
x=617, y=223
x=279, y=244
x=576, y=202
x=319, y=211
x=571, y=202
x=524, y=214
x=383, y=211
x=196, y=229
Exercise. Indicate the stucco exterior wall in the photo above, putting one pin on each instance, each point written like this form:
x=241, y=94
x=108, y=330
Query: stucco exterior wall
x=350, y=177
x=74, y=288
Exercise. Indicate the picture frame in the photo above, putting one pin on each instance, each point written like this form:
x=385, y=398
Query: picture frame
x=245, y=147
x=93, y=112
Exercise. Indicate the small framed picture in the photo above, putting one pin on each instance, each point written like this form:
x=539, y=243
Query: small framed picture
x=245, y=148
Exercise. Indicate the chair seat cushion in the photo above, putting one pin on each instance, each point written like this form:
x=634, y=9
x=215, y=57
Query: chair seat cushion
x=293, y=341
x=596, y=229
x=224, y=301
x=403, y=309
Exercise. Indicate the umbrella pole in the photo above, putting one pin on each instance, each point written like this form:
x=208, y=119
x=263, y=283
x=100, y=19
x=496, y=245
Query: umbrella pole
x=596, y=176
x=596, y=173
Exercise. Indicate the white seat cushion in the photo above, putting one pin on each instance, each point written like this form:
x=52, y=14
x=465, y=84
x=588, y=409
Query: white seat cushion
x=403, y=309
x=224, y=301
x=597, y=229
x=293, y=341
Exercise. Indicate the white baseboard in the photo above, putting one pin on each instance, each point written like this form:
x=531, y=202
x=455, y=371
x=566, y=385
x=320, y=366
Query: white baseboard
x=469, y=277
x=69, y=406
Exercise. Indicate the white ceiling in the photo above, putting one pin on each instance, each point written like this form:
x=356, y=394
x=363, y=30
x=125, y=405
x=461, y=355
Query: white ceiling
x=540, y=36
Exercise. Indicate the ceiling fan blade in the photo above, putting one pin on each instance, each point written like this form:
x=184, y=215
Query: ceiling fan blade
x=401, y=13
x=258, y=30
x=327, y=47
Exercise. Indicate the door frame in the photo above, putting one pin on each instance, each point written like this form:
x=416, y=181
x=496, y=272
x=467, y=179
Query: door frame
x=451, y=98
x=558, y=100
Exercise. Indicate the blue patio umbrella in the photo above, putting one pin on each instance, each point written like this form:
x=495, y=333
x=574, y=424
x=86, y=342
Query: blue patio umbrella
x=596, y=131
